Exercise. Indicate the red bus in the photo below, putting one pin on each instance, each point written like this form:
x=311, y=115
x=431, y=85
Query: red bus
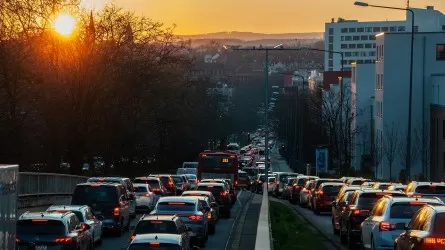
x=218, y=164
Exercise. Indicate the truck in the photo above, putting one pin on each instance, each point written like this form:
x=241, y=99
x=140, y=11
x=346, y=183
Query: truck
x=9, y=177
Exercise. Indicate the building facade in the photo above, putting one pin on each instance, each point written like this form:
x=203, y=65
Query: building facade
x=392, y=69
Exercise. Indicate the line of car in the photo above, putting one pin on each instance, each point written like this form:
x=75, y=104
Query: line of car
x=107, y=204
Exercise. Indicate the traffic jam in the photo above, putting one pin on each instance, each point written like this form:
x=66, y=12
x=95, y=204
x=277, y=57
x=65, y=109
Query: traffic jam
x=179, y=211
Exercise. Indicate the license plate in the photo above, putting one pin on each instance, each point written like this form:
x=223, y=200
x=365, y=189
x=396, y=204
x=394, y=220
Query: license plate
x=41, y=247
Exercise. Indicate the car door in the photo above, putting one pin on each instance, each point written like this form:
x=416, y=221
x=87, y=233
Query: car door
x=125, y=207
x=368, y=223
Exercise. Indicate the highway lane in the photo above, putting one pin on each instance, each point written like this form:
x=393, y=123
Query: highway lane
x=215, y=242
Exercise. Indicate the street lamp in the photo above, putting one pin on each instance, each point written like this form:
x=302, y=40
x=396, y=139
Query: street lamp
x=278, y=47
x=410, y=92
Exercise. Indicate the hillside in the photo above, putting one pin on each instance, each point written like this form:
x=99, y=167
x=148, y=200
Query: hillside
x=251, y=36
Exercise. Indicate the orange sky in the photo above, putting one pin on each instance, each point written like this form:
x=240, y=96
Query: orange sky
x=263, y=16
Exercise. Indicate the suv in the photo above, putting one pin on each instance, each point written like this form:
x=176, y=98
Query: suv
x=161, y=224
x=38, y=230
x=316, y=186
x=168, y=182
x=85, y=215
x=159, y=241
x=389, y=217
x=155, y=184
x=109, y=203
x=425, y=189
x=222, y=196
x=129, y=189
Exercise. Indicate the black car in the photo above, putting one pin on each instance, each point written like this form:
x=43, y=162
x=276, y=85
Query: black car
x=108, y=201
x=168, y=182
x=222, y=196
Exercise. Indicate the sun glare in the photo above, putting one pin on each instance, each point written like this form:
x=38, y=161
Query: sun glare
x=64, y=24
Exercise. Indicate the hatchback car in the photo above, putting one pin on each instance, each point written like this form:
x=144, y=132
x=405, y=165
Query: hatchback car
x=145, y=198
x=221, y=194
x=159, y=242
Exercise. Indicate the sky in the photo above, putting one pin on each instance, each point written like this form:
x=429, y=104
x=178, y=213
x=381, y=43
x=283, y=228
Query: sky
x=261, y=16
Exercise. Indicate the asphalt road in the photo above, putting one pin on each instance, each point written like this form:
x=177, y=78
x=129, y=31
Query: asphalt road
x=218, y=241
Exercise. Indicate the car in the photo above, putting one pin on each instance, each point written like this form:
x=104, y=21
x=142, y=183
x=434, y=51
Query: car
x=383, y=185
x=397, y=187
x=325, y=195
x=315, y=188
x=181, y=183
x=109, y=203
x=127, y=184
x=211, y=213
x=357, y=181
x=338, y=205
x=221, y=193
x=305, y=194
x=159, y=241
x=208, y=194
x=280, y=181
x=419, y=189
x=298, y=186
x=388, y=219
x=168, y=182
x=155, y=184
x=161, y=224
x=85, y=215
x=288, y=186
x=145, y=198
x=43, y=230
x=243, y=180
x=190, y=210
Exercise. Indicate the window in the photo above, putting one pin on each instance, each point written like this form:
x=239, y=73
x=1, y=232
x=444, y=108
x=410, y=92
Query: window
x=443, y=27
x=331, y=31
x=392, y=28
x=368, y=45
x=371, y=53
x=331, y=56
x=376, y=29
x=416, y=28
x=374, y=46
x=352, y=46
x=348, y=54
x=372, y=37
x=401, y=29
x=360, y=46
x=355, y=53
x=344, y=30
x=363, y=38
x=360, y=29
x=342, y=38
x=385, y=29
x=344, y=62
x=348, y=38
x=368, y=29
x=331, y=47
x=440, y=52
x=344, y=46
x=356, y=38
x=351, y=30
x=331, y=39
x=359, y=61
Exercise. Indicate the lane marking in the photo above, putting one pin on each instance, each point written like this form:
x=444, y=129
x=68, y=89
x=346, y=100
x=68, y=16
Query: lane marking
x=234, y=222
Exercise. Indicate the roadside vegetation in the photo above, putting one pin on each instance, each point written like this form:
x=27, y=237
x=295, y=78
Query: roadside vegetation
x=290, y=232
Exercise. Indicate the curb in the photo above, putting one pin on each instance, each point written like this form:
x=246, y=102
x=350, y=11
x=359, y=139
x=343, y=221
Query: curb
x=263, y=236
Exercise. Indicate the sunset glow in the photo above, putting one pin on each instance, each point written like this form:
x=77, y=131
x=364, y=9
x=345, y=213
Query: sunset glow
x=64, y=24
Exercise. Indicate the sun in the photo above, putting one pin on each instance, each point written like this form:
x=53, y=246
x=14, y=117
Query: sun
x=64, y=24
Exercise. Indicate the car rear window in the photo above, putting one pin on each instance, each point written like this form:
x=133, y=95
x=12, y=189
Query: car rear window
x=243, y=175
x=76, y=212
x=332, y=190
x=439, y=223
x=216, y=190
x=156, y=226
x=147, y=246
x=367, y=200
x=405, y=210
x=358, y=182
x=194, y=194
x=272, y=179
x=383, y=186
x=139, y=189
x=175, y=206
x=40, y=227
x=178, y=179
x=152, y=183
x=88, y=194
x=290, y=181
x=319, y=182
x=164, y=180
x=430, y=189
x=301, y=181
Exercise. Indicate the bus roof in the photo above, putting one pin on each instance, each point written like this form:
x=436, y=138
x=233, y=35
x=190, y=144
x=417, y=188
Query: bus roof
x=218, y=152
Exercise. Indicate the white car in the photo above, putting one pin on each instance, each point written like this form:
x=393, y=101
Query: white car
x=145, y=198
x=388, y=219
x=270, y=184
x=85, y=215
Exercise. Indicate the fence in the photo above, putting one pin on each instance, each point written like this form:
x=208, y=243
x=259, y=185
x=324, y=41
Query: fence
x=47, y=184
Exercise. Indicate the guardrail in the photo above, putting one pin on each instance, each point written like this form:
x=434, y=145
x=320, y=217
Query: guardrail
x=47, y=184
x=264, y=236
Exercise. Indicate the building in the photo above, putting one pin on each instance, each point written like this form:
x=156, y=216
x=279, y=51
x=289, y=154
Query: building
x=391, y=102
x=362, y=101
x=356, y=40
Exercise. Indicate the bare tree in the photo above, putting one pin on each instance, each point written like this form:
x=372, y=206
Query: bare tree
x=391, y=142
x=422, y=140
x=363, y=133
x=403, y=155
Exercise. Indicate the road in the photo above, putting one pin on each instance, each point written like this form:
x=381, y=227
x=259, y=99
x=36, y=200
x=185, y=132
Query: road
x=321, y=222
x=218, y=241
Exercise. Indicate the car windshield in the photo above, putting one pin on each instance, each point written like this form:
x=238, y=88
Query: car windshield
x=290, y=181
x=156, y=226
x=243, y=175
x=178, y=179
x=215, y=190
x=147, y=246
x=175, y=206
x=405, y=210
x=88, y=194
x=40, y=227
x=430, y=189
x=218, y=161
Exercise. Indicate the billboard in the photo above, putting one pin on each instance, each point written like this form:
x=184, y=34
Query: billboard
x=321, y=160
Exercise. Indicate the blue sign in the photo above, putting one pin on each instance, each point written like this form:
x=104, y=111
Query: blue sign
x=321, y=158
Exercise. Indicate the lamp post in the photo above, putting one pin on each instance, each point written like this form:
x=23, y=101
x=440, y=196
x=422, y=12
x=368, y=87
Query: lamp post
x=408, y=136
x=266, y=94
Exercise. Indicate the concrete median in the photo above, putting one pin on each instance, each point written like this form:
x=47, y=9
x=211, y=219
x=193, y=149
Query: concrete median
x=263, y=236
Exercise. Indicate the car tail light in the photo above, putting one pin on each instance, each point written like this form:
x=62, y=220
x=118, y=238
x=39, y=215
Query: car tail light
x=209, y=216
x=195, y=217
x=360, y=212
x=147, y=195
x=156, y=189
x=170, y=183
x=154, y=244
x=225, y=193
x=434, y=241
x=417, y=196
x=132, y=237
x=386, y=226
x=17, y=240
x=236, y=182
x=116, y=211
x=65, y=240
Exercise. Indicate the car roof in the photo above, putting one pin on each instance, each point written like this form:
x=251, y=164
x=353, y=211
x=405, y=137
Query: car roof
x=439, y=208
x=199, y=197
x=100, y=183
x=197, y=192
x=333, y=184
x=146, y=178
x=177, y=198
x=158, y=217
x=161, y=238
x=378, y=191
x=408, y=199
x=218, y=184
x=67, y=207
x=44, y=215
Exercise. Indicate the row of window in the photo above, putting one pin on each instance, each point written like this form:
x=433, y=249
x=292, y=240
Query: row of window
x=357, y=38
x=357, y=45
x=379, y=81
x=359, y=54
x=349, y=62
x=378, y=109
x=372, y=29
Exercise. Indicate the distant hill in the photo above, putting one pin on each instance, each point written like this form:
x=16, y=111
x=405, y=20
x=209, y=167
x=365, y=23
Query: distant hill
x=251, y=36
x=263, y=42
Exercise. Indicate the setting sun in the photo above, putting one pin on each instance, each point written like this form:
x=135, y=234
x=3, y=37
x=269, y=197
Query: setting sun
x=64, y=24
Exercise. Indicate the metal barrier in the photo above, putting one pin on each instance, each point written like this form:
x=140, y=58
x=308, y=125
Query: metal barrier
x=47, y=184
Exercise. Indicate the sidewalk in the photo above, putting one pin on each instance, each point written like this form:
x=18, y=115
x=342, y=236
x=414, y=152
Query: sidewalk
x=245, y=230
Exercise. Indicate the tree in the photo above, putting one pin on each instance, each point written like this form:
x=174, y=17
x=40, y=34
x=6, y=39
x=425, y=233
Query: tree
x=422, y=139
x=391, y=143
x=363, y=133
x=403, y=155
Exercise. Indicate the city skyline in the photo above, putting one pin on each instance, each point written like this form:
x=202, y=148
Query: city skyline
x=260, y=16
